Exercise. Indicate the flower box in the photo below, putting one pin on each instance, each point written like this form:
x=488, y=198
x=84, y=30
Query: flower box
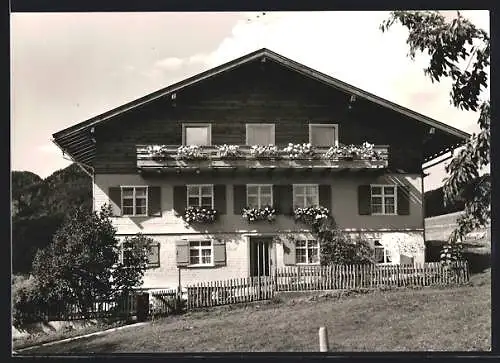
x=191, y=152
x=263, y=151
x=300, y=151
x=310, y=215
x=352, y=152
x=267, y=213
x=228, y=151
x=200, y=215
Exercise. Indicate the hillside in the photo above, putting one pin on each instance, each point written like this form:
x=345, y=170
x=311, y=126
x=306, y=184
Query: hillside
x=39, y=207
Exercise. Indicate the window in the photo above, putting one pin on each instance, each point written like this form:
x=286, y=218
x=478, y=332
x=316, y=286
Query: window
x=200, y=196
x=323, y=134
x=305, y=195
x=307, y=252
x=381, y=254
x=259, y=196
x=260, y=134
x=197, y=134
x=383, y=199
x=200, y=253
x=153, y=255
x=134, y=201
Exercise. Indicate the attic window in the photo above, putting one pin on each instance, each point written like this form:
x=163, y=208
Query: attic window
x=260, y=134
x=196, y=134
x=324, y=134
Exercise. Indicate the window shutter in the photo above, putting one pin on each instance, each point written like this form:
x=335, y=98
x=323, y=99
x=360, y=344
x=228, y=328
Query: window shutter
x=405, y=260
x=182, y=253
x=288, y=252
x=154, y=201
x=115, y=200
x=325, y=196
x=219, y=253
x=283, y=199
x=180, y=196
x=220, y=198
x=239, y=198
x=154, y=256
x=403, y=195
x=364, y=200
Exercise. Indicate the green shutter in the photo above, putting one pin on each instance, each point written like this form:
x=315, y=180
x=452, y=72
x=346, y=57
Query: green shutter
x=364, y=200
x=220, y=198
x=180, y=199
x=403, y=196
x=283, y=199
x=115, y=200
x=288, y=252
x=325, y=196
x=239, y=198
x=219, y=253
x=154, y=201
x=182, y=253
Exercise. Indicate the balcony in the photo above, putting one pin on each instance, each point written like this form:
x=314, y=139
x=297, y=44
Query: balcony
x=175, y=157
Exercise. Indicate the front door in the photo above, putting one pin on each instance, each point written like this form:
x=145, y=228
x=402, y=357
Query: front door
x=260, y=256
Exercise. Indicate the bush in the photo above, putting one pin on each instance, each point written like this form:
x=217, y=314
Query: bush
x=27, y=302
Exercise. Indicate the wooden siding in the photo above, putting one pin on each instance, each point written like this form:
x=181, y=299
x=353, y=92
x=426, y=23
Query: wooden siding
x=257, y=93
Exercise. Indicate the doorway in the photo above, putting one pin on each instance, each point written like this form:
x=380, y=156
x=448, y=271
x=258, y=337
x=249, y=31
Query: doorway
x=260, y=256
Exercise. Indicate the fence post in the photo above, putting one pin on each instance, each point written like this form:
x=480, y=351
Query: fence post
x=323, y=339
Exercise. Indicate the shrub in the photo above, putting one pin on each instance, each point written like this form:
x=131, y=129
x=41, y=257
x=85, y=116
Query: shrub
x=28, y=304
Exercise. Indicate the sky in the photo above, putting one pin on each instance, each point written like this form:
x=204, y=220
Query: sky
x=68, y=67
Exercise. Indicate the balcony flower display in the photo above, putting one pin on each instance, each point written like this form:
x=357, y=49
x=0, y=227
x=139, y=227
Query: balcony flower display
x=191, y=152
x=310, y=215
x=228, y=151
x=263, y=151
x=156, y=152
x=352, y=152
x=267, y=213
x=200, y=215
x=299, y=151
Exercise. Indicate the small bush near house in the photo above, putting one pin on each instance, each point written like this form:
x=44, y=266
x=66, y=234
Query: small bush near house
x=337, y=247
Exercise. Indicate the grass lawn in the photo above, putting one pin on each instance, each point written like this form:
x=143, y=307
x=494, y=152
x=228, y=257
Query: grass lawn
x=403, y=320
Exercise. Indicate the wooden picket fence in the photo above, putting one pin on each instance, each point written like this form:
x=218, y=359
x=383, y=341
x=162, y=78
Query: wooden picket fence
x=335, y=277
x=124, y=308
x=240, y=290
x=164, y=302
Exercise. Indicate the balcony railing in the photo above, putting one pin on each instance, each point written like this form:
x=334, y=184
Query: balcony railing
x=276, y=157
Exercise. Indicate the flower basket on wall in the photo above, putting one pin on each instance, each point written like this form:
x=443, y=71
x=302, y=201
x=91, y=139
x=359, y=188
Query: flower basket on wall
x=264, y=151
x=228, y=151
x=200, y=215
x=310, y=215
x=259, y=214
x=300, y=151
x=190, y=152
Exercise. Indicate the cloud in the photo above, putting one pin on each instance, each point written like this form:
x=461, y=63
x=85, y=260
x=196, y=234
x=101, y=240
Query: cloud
x=49, y=148
x=170, y=63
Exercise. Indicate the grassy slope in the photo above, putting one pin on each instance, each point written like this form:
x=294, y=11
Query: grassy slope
x=405, y=320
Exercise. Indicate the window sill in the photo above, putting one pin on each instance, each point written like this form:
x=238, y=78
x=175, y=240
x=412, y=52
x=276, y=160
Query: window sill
x=384, y=214
x=201, y=266
x=133, y=215
x=308, y=264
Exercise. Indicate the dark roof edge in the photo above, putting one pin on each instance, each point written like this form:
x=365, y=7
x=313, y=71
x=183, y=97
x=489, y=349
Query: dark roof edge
x=247, y=58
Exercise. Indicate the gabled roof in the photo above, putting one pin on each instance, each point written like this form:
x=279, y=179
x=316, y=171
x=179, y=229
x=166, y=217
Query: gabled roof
x=77, y=140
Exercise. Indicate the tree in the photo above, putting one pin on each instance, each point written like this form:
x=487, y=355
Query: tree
x=82, y=263
x=460, y=51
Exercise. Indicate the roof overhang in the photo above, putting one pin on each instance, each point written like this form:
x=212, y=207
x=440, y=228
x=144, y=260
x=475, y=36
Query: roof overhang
x=78, y=140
